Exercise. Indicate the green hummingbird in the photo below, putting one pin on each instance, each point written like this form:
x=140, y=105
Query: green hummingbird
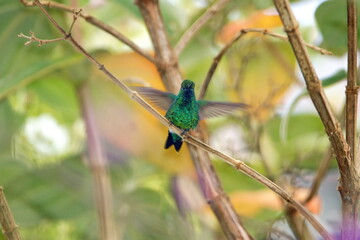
x=184, y=111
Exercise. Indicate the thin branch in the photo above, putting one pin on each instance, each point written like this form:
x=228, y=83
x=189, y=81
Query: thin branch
x=351, y=88
x=32, y=38
x=350, y=209
x=320, y=174
x=241, y=33
x=198, y=24
x=298, y=225
x=101, y=25
x=239, y=165
x=349, y=184
x=97, y=163
x=7, y=221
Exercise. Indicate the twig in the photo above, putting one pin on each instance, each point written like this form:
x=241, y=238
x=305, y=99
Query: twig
x=350, y=209
x=98, y=167
x=351, y=88
x=239, y=165
x=7, y=221
x=32, y=38
x=349, y=185
x=320, y=174
x=101, y=25
x=298, y=225
x=241, y=33
x=199, y=23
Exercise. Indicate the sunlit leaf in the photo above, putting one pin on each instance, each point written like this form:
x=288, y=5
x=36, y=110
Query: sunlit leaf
x=257, y=20
x=261, y=72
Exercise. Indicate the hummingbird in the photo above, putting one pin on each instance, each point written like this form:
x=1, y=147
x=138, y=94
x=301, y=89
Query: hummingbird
x=184, y=111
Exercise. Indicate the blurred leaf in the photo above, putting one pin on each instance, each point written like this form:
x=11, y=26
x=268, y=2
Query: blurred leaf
x=55, y=95
x=335, y=78
x=257, y=20
x=329, y=81
x=331, y=17
x=302, y=144
x=230, y=178
x=16, y=80
x=10, y=123
x=50, y=193
x=22, y=64
x=266, y=72
x=145, y=207
x=251, y=203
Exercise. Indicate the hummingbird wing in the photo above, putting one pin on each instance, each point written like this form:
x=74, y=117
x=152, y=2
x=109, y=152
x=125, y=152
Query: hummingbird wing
x=209, y=109
x=159, y=98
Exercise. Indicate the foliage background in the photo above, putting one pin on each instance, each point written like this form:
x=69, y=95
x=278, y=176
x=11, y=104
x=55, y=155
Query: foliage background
x=44, y=169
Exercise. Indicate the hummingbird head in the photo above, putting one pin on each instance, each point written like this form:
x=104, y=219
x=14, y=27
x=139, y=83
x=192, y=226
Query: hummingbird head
x=187, y=84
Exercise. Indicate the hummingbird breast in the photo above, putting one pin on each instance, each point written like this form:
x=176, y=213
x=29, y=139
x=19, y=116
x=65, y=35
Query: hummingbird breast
x=184, y=111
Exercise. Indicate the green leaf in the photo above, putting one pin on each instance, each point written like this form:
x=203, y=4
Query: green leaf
x=54, y=192
x=230, y=179
x=22, y=64
x=331, y=17
x=57, y=96
x=16, y=80
x=326, y=82
x=10, y=123
x=304, y=144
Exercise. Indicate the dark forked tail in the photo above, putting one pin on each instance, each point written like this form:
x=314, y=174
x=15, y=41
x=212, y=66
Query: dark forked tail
x=173, y=139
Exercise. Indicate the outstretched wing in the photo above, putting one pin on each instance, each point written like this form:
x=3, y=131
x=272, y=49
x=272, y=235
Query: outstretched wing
x=159, y=98
x=209, y=109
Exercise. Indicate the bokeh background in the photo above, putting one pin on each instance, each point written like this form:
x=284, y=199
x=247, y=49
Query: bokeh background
x=49, y=93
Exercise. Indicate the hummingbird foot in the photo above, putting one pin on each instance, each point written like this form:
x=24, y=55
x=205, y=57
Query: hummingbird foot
x=184, y=134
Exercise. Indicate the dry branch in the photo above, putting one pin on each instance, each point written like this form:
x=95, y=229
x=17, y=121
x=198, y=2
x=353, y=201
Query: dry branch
x=198, y=24
x=350, y=209
x=7, y=221
x=349, y=185
x=97, y=23
x=241, y=33
x=97, y=163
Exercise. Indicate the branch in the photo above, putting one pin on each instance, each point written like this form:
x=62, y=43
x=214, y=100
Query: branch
x=40, y=42
x=351, y=88
x=198, y=24
x=350, y=209
x=7, y=221
x=241, y=33
x=349, y=185
x=239, y=165
x=320, y=174
x=165, y=58
x=101, y=25
x=97, y=163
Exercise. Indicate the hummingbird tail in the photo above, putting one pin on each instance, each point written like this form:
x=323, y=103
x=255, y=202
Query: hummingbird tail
x=173, y=139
